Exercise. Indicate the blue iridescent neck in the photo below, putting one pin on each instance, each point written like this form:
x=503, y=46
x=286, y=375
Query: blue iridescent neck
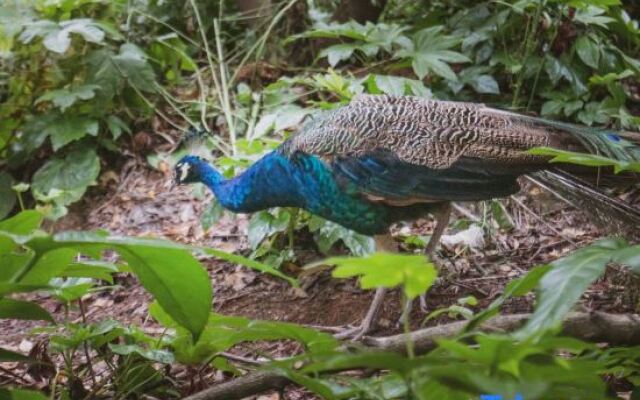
x=269, y=182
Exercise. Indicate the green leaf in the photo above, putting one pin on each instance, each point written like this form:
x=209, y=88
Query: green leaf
x=21, y=394
x=57, y=37
x=25, y=310
x=8, y=288
x=7, y=195
x=588, y=51
x=70, y=289
x=414, y=273
x=562, y=286
x=590, y=160
x=211, y=215
x=338, y=52
x=485, y=84
x=65, y=129
x=11, y=356
x=70, y=176
x=186, y=295
x=22, y=224
x=90, y=269
x=327, y=233
x=264, y=224
x=161, y=356
x=223, y=332
x=393, y=85
x=167, y=270
x=515, y=288
x=116, y=126
x=131, y=63
x=65, y=98
x=430, y=52
x=247, y=262
x=47, y=266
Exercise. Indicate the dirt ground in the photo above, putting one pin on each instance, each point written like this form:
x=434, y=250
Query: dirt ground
x=140, y=201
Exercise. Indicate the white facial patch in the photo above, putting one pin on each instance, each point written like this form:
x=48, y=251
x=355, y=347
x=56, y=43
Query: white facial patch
x=184, y=171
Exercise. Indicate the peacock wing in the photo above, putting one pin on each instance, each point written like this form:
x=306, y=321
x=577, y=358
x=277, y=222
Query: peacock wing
x=404, y=150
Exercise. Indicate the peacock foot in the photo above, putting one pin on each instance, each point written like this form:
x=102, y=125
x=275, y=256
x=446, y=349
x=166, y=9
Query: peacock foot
x=355, y=333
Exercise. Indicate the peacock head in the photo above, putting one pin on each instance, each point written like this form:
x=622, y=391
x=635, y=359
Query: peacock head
x=190, y=169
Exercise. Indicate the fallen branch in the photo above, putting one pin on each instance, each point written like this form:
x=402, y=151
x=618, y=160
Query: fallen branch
x=250, y=384
x=615, y=329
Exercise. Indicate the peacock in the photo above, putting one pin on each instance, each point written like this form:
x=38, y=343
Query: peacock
x=383, y=159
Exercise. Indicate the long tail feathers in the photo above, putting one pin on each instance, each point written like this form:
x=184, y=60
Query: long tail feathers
x=610, y=213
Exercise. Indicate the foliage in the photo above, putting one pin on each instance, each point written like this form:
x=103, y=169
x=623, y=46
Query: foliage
x=414, y=273
x=68, y=266
x=76, y=83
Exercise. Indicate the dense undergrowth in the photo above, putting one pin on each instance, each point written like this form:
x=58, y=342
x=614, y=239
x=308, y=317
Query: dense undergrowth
x=81, y=79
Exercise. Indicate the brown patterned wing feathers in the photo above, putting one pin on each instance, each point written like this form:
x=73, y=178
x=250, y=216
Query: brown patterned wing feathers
x=423, y=132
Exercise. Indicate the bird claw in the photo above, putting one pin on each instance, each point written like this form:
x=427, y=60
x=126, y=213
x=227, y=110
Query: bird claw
x=354, y=333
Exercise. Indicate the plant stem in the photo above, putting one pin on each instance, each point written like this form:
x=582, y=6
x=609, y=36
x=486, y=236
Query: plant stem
x=226, y=104
x=293, y=220
x=407, y=327
x=20, y=201
x=532, y=30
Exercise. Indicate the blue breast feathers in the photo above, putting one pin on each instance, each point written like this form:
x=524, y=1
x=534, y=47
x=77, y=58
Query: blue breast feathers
x=304, y=181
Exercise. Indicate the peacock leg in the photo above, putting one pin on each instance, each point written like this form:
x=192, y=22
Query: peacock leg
x=383, y=243
x=442, y=215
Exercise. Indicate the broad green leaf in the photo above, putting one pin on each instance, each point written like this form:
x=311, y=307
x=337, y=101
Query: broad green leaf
x=25, y=310
x=57, y=37
x=161, y=356
x=90, y=269
x=414, y=273
x=167, y=270
x=176, y=279
x=21, y=394
x=588, y=51
x=65, y=98
x=591, y=15
x=65, y=129
x=223, y=332
x=264, y=224
x=393, y=85
x=117, y=126
x=327, y=233
x=47, y=266
x=131, y=64
x=7, y=195
x=70, y=289
x=561, y=287
x=70, y=176
x=102, y=71
x=11, y=356
x=485, y=84
x=22, y=224
x=338, y=52
x=8, y=288
x=430, y=52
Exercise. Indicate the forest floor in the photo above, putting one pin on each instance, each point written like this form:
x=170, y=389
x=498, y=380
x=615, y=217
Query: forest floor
x=140, y=201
